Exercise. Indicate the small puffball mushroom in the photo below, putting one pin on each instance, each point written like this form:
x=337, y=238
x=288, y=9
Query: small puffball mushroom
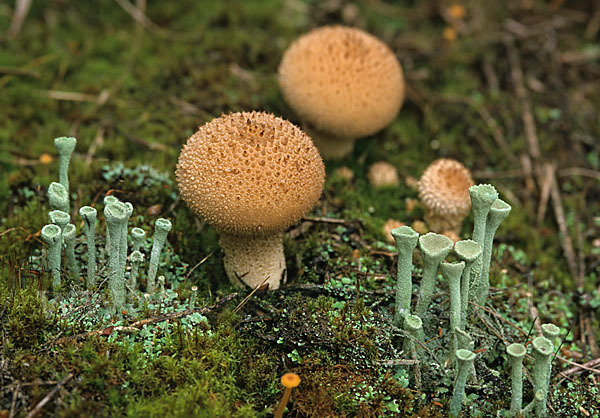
x=343, y=83
x=387, y=229
x=251, y=176
x=444, y=191
x=382, y=174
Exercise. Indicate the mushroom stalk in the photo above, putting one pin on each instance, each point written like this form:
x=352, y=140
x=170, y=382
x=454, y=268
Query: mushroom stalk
x=162, y=227
x=465, y=359
x=328, y=145
x=468, y=251
x=516, y=353
x=123, y=243
x=482, y=198
x=406, y=241
x=542, y=352
x=69, y=236
x=290, y=381
x=251, y=260
x=434, y=248
x=136, y=258
x=116, y=215
x=452, y=273
x=89, y=214
x=65, y=147
x=498, y=212
x=51, y=234
x=58, y=197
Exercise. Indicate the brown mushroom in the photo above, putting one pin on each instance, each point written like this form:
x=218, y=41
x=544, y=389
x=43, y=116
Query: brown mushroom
x=444, y=191
x=382, y=174
x=344, y=84
x=251, y=176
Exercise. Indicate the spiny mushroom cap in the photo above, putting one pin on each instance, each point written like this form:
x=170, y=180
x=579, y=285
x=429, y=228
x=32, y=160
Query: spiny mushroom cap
x=250, y=173
x=444, y=188
x=343, y=81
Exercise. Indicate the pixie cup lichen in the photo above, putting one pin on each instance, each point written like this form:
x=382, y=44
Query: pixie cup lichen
x=88, y=214
x=123, y=243
x=109, y=200
x=138, y=235
x=136, y=259
x=65, y=147
x=542, y=352
x=465, y=360
x=161, y=230
x=516, y=352
x=468, y=251
x=452, y=273
x=406, y=240
x=482, y=198
x=52, y=236
x=60, y=218
x=116, y=215
x=69, y=236
x=58, y=197
x=434, y=248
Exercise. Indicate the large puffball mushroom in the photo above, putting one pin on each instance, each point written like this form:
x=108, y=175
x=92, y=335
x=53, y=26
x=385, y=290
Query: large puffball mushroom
x=343, y=83
x=444, y=191
x=251, y=176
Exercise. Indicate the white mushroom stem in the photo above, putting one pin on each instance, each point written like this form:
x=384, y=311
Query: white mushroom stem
x=328, y=145
x=252, y=259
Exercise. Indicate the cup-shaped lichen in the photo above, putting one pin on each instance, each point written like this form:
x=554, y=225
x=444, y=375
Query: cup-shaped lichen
x=136, y=258
x=69, y=236
x=516, y=352
x=482, y=198
x=465, y=341
x=497, y=213
x=108, y=200
x=467, y=251
x=52, y=236
x=58, y=197
x=406, y=240
x=65, y=147
x=161, y=229
x=542, y=352
x=434, y=248
x=193, y=297
x=138, y=235
x=551, y=332
x=123, y=243
x=413, y=327
x=60, y=218
x=464, y=362
x=88, y=214
x=116, y=215
x=161, y=285
x=452, y=273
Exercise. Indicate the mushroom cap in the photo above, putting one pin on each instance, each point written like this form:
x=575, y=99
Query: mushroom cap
x=342, y=80
x=444, y=188
x=383, y=174
x=290, y=380
x=250, y=173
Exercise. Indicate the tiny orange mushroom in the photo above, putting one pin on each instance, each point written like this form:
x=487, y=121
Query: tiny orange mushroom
x=290, y=381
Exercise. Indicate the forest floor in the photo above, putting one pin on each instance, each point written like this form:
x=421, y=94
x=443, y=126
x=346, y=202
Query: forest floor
x=511, y=89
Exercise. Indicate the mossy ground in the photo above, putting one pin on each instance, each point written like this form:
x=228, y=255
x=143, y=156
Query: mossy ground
x=132, y=93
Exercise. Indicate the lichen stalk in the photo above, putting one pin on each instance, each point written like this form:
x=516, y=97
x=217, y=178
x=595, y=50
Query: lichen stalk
x=482, y=198
x=60, y=218
x=115, y=214
x=69, y=237
x=413, y=326
x=464, y=362
x=52, y=236
x=406, y=241
x=138, y=235
x=58, y=197
x=161, y=229
x=468, y=251
x=123, y=243
x=434, y=248
x=498, y=212
x=193, y=297
x=542, y=352
x=136, y=258
x=452, y=273
x=65, y=147
x=551, y=332
x=108, y=200
x=250, y=260
x=516, y=352
x=161, y=286
x=88, y=214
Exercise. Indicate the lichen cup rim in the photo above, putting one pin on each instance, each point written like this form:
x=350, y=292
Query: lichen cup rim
x=87, y=211
x=413, y=322
x=500, y=205
x=404, y=231
x=51, y=231
x=543, y=345
x=465, y=355
x=468, y=250
x=164, y=224
x=435, y=245
x=551, y=329
x=516, y=350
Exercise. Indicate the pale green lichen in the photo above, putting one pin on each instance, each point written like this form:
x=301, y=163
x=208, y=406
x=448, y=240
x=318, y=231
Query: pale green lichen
x=468, y=251
x=542, y=352
x=516, y=352
x=482, y=198
x=52, y=236
x=434, y=248
x=138, y=235
x=58, y=197
x=69, y=236
x=193, y=297
x=161, y=286
x=161, y=229
x=60, y=218
x=89, y=214
x=123, y=243
x=452, y=273
x=108, y=200
x=406, y=240
x=464, y=361
x=136, y=259
x=116, y=214
x=497, y=213
x=65, y=147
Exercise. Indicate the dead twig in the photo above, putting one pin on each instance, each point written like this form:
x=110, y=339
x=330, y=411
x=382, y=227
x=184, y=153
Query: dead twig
x=21, y=11
x=247, y=298
x=49, y=396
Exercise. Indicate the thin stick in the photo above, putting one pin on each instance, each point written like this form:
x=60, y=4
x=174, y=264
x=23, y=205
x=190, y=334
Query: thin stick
x=49, y=396
x=247, y=298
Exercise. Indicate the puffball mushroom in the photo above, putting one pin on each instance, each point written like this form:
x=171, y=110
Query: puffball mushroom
x=343, y=83
x=444, y=191
x=251, y=175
